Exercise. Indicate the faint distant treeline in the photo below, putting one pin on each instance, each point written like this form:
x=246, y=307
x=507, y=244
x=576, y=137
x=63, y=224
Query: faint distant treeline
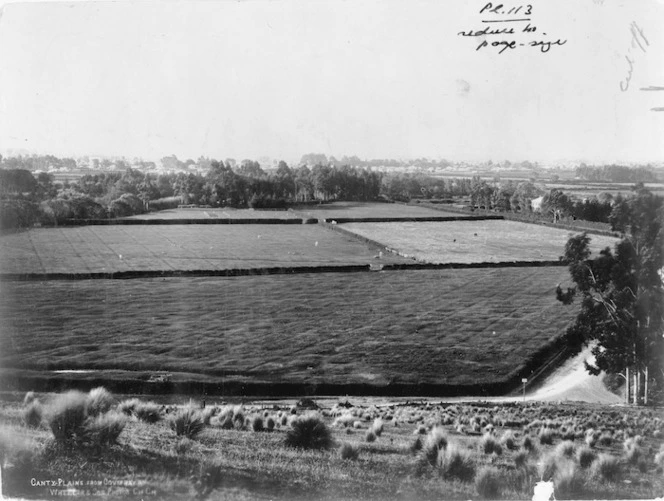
x=27, y=198
x=616, y=174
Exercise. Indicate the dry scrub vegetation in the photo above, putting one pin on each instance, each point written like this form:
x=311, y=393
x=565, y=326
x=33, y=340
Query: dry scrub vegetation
x=103, y=447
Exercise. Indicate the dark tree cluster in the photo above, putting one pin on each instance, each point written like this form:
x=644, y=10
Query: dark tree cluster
x=621, y=296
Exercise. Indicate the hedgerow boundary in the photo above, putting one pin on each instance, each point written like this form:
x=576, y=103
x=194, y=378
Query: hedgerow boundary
x=240, y=272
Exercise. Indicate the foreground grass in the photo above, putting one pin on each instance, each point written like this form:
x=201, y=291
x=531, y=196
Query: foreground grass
x=442, y=327
x=151, y=462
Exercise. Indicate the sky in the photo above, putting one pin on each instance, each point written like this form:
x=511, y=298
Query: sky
x=376, y=79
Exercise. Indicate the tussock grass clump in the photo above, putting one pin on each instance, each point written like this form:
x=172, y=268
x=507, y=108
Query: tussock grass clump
x=546, y=436
x=606, y=467
x=489, y=445
x=270, y=424
x=129, y=406
x=104, y=429
x=100, y=400
x=207, y=414
x=568, y=481
x=547, y=466
x=67, y=415
x=257, y=424
x=509, y=440
x=187, y=423
x=520, y=459
x=309, y=432
x=605, y=439
x=239, y=420
x=488, y=482
x=528, y=444
x=585, y=456
x=32, y=414
x=565, y=449
x=456, y=463
x=147, y=411
x=370, y=436
x=348, y=452
x=29, y=398
x=377, y=427
x=416, y=446
x=435, y=442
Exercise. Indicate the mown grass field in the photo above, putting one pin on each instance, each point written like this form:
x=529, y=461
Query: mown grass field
x=590, y=452
x=443, y=327
x=226, y=213
x=86, y=249
x=366, y=210
x=472, y=241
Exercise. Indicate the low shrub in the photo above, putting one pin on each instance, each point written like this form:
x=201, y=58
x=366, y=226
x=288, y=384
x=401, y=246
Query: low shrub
x=147, y=411
x=348, y=452
x=489, y=445
x=270, y=424
x=370, y=436
x=606, y=467
x=239, y=421
x=309, y=432
x=416, y=446
x=100, y=401
x=456, y=463
x=488, y=482
x=66, y=416
x=33, y=413
x=187, y=423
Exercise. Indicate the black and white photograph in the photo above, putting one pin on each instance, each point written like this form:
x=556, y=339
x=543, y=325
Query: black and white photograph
x=324, y=250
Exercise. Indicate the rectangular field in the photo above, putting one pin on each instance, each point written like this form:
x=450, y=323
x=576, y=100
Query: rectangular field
x=88, y=249
x=226, y=213
x=472, y=241
x=366, y=210
x=439, y=327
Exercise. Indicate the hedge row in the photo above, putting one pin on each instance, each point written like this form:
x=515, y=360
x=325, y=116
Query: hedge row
x=102, y=222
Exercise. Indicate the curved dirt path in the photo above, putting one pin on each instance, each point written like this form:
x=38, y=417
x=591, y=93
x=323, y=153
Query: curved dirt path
x=572, y=382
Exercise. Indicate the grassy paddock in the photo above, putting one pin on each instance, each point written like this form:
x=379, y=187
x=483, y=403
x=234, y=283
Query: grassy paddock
x=472, y=241
x=365, y=210
x=454, y=327
x=89, y=249
x=238, y=462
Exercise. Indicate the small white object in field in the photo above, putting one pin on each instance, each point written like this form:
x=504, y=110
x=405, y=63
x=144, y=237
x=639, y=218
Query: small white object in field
x=316, y=244
x=543, y=491
x=120, y=256
x=258, y=236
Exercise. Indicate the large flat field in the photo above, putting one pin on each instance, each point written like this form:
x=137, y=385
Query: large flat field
x=88, y=249
x=366, y=210
x=473, y=241
x=440, y=327
x=226, y=213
